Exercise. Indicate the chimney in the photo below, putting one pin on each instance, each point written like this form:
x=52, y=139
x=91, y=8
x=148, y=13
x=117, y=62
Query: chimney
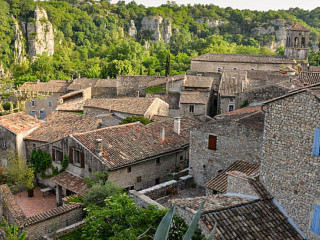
x=98, y=147
x=177, y=125
x=162, y=133
x=138, y=94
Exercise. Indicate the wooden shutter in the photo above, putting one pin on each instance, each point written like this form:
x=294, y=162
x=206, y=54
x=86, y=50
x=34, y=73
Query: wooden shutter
x=61, y=156
x=70, y=155
x=82, y=159
x=212, y=142
x=53, y=154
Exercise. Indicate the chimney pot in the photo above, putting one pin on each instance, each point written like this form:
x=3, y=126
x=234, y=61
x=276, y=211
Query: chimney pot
x=177, y=125
x=98, y=147
x=163, y=134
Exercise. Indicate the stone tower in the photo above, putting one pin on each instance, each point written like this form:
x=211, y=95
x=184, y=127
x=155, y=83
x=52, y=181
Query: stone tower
x=297, y=43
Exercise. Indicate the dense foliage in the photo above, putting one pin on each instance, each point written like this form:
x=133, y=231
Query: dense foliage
x=133, y=119
x=92, y=40
x=16, y=172
x=40, y=160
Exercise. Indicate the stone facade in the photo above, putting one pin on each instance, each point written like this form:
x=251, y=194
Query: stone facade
x=288, y=168
x=43, y=107
x=235, y=142
x=8, y=141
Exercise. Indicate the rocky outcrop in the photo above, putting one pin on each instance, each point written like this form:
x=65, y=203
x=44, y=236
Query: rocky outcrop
x=19, y=43
x=159, y=28
x=132, y=31
x=210, y=22
x=40, y=34
x=277, y=28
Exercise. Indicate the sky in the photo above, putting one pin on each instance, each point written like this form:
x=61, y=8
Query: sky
x=262, y=5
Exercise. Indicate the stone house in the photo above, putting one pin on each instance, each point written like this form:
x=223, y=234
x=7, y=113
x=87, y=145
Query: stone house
x=126, y=107
x=13, y=128
x=246, y=211
x=59, y=125
x=289, y=166
x=235, y=136
x=136, y=156
x=195, y=103
x=42, y=107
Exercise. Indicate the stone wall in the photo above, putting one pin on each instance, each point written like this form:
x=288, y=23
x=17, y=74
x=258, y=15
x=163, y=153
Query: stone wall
x=288, y=168
x=130, y=85
x=104, y=92
x=235, y=142
x=10, y=142
x=225, y=102
x=160, y=190
x=199, y=109
x=202, y=66
x=143, y=201
x=260, y=95
x=43, y=104
x=238, y=182
x=158, y=107
x=50, y=225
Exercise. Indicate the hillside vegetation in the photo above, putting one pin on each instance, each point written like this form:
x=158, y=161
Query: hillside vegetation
x=92, y=40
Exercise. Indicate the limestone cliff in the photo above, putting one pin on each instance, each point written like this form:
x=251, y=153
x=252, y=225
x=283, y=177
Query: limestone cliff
x=277, y=28
x=160, y=29
x=19, y=43
x=40, y=34
x=132, y=31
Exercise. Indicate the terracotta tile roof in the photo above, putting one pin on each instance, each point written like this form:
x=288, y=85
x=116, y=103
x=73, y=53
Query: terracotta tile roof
x=199, y=82
x=73, y=93
x=71, y=105
x=19, y=122
x=220, y=182
x=133, y=105
x=299, y=27
x=309, y=78
x=130, y=143
x=81, y=83
x=244, y=110
x=59, y=125
x=71, y=182
x=246, y=58
x=53, y=86
x=194, y=97
x=51, y=213
x=10, y=203
x=163, y=80
x=231, y=82
x=213, y=203
x=172, y=98
x=256, y=220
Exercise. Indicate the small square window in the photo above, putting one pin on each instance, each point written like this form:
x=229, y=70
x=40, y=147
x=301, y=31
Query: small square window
x=32, y=103
x=191, y=108
x=231, y=100
x=231, y=108
x=234, y=68
x=181, y=158
x=139, y=179
x=129, y=169
x=33, y=113
x=157, y=181
x=158, y=161
x=219, y=69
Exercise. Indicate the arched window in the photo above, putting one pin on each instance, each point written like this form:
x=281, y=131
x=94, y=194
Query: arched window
x=303, y=42
x=296, y=42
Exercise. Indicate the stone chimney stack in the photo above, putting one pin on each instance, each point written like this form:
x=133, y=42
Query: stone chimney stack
x=177, y=125
x=98, y=147
x=162, y=133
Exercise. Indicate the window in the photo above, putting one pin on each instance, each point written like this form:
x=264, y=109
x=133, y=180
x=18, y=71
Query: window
x=42, y=114
x=231, y=108
x=316, y=143
x=50, y=104
x=139, y=179
x=219, y=69
x=191, y=108
x=58, y=156
x=252, y=69
x=33, y=146
x=231, y=100
x=158, y=161
x=181, y=158
x=76, y=156
x=33, y=103
x=129, y=169
x=157, y=181
x=212, y=142
x=315, y=226
x=234, y=68
x=33, y=113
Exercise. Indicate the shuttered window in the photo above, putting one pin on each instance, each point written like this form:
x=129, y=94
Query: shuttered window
x=316, y=143
x=315, y=227
x=82, y=159
x=70, y=155
x=212, y=142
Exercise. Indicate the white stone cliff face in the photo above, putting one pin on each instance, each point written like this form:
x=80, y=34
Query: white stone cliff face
x=276, y=27
x=210, y=22
x=40, y=34
x=132, y=31
x=19, y=43
x=161, y=28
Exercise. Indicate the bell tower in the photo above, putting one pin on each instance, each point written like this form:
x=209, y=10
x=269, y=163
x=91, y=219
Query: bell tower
x=297, y=43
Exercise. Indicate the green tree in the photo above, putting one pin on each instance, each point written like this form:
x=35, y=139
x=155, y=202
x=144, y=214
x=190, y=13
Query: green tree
x=133, y=119
x=12, y=232
x=168, y=65
x=17, y=173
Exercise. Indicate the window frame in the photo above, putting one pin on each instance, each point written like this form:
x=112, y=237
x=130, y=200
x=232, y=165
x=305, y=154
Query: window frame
x=191, y=108
x=129, y=169
x=50, y=104
x=76, y=163
x=32, y=103
x=231, y=105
